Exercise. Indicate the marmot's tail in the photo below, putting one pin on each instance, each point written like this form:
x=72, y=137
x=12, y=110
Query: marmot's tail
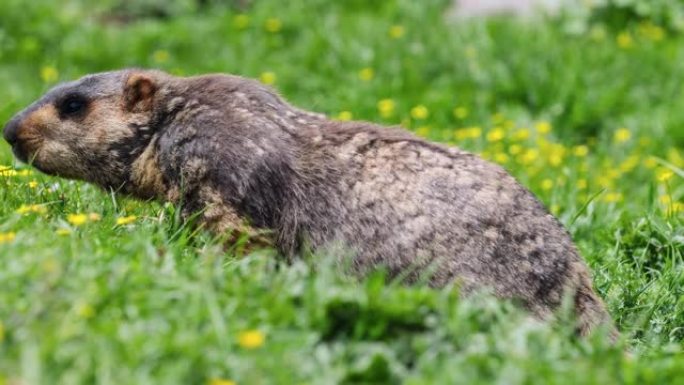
x=590, y=310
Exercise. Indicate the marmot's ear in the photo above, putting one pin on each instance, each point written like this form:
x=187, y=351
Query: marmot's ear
x=138, y=93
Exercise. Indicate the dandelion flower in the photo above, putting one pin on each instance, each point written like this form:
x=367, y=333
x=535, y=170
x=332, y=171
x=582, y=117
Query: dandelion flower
x=386, y=107
x=624, y=40
x=366, y=74
x=547, y=184
x=49, y=74
x=28, y=209
x=581, y=184
x=273, y=25
x=268, y=77
x=501, y=158
x=251, y=339
x=543, y=127
x=62, y=231
x=161, y=56
x=613, y=197
x=345, y=116
x=515, y=149
x=580, y=151
x=7, y=237
x=33, y=184
x=419, y=112
x=396, y=31
x=663, y=175
x=77, y=219
x=121, y=221
x=622, y=135
x=496, y=134
x=521, y=134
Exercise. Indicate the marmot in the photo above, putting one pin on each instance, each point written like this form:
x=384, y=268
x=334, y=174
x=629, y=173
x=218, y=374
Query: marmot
x=234, y=151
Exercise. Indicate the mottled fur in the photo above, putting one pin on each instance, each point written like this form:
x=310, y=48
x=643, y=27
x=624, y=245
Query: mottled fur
x=232, y=149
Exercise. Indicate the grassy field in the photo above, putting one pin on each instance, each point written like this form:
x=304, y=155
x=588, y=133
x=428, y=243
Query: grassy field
x=100, y=289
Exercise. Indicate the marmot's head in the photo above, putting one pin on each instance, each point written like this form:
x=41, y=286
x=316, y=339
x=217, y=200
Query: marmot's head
x=91, y=129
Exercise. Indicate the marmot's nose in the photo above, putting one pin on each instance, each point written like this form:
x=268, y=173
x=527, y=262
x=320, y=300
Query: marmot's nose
x=11, y=131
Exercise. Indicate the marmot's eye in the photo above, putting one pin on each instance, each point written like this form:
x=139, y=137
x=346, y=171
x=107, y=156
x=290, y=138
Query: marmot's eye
x=72, y=105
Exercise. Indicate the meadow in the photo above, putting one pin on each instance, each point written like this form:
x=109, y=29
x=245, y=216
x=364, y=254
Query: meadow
x=96, y=288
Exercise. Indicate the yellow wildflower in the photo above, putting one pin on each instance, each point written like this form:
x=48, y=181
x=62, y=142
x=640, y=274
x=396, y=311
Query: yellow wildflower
x=241, y=21
x=622, y=135
x=345, y=116
x=543, y=127
x=665, y=199
x=547, y=184
x=460, y=112
x=496, y=134
x=419, y=112
x=529, y=156
x=423, y=131
x=396, y=31
x=624, y=40
x=7, y=237
x=251, y=339
x=386, y=107
x=581, y=184
x=652, y=31
x=77, y=219
x=521, y=134
x=126, y=220
x=220, y=381
x=613, y=197
x=33, y=184
x=650, y=162
x=629, y=164
x=268, y=77
x=674, y=157
x=664, y=174
x=62, y=231
x=273, y=25
x=366, y=74
x=49, y=74
x=27, y=209
x=161, y=56
x=580, y=151
x=501, y=158
x=555, y=159
x=515, y=149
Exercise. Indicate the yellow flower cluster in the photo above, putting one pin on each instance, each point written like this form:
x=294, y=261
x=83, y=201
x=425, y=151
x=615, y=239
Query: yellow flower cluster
x=31, y=209
x=7, y=171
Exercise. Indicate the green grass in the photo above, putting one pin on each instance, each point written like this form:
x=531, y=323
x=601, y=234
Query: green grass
x=155, y=302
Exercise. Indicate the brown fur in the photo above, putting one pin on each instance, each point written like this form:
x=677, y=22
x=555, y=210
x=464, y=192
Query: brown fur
x=235, y=152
